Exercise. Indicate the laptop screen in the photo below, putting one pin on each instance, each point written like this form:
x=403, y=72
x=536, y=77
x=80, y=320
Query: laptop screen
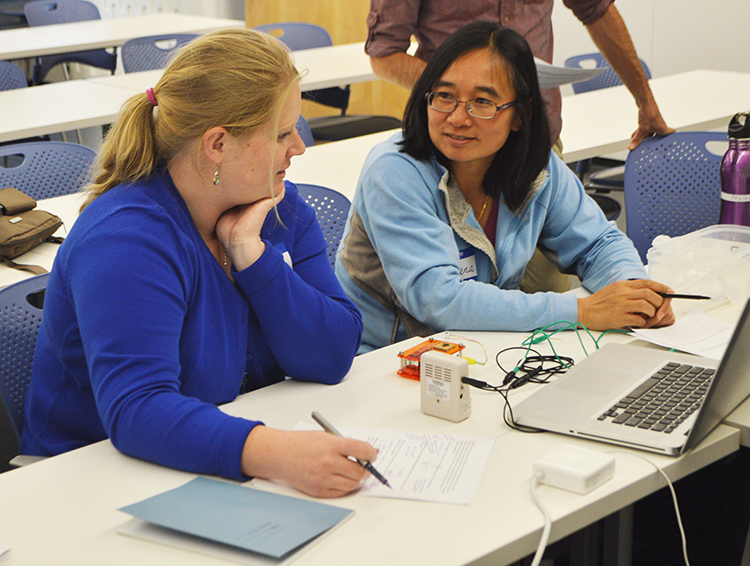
x=730, y=386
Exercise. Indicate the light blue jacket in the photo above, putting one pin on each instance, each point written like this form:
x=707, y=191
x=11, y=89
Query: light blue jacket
x=400, y=258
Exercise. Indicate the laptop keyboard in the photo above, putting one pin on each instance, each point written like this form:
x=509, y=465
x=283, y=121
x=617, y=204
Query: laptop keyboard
x=665, y=400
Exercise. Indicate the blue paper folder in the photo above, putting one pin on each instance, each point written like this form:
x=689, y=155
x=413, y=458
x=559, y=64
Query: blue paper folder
x=263, y=522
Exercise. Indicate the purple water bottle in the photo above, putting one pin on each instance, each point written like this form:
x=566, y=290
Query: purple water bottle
x=735, y=173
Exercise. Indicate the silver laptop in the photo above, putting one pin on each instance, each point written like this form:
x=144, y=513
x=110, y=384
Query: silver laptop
x=643, y=397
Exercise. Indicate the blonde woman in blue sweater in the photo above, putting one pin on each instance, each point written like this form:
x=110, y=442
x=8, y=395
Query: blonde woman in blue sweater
x=186, y=274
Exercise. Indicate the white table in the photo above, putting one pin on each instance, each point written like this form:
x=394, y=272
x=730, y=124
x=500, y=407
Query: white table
x=322, y=67
x=601, y=122
x=53, y=108
x=58, y=107
x=96, y=34
x=63, y=510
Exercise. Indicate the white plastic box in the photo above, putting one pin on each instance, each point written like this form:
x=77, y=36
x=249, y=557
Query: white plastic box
x=713, y=261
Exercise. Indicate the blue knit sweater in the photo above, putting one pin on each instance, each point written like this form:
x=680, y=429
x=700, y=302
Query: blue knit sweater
x=143, y=333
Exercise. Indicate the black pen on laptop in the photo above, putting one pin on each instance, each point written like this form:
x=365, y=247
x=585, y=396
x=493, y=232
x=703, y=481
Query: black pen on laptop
x=328, y=427
x=681, y=296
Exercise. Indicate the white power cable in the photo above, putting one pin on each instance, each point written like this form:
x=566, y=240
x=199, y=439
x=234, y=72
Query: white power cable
x=547, y=520
x=674, y=499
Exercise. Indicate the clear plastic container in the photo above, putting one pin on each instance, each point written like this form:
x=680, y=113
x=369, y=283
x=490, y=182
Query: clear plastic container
x=713, y=261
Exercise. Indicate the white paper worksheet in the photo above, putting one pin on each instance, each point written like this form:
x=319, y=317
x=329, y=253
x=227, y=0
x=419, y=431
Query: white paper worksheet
x=444, y=468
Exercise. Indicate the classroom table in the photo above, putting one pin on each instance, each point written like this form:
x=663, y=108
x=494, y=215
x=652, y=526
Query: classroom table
x=97, y=34
x=601, y=122
x=64, y=510
x=58, y=107
x=321, y=67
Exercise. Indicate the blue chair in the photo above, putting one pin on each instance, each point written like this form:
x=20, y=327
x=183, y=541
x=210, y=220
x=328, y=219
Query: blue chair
x=610, y=178
x=672, y=186
x=297, y=36
x=11, y=77
x=152, y=52
x=47, y=12
x=331, y=210
x=304, y=132
x=20, y=317
x=46, y=169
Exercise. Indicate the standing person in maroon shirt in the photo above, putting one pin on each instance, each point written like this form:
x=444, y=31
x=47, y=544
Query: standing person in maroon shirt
x=391, y=24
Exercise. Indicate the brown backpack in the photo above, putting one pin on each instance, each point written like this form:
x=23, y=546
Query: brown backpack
x=22, y=228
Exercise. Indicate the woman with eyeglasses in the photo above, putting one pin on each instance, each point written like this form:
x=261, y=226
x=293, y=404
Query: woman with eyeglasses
x=447, y=214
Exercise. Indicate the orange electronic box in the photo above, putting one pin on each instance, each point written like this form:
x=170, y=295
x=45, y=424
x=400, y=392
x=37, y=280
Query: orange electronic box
x=410, y=358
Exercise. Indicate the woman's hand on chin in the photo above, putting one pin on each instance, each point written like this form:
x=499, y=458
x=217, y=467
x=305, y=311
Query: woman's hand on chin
x=238, y=230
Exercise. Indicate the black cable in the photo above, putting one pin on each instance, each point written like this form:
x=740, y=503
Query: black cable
x=533, y=371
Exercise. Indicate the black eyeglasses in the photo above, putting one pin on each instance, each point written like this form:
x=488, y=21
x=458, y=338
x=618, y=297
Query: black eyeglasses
x=478, y=107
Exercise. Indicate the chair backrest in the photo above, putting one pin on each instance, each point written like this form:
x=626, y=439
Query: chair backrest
x=607, y=79
x=45, y=169
x=672, y=186
x=11, y=77
x=299, y=35
x=303, y=128
x=331, y=210
x=20, y=317
x=48, y=12
x=152, y=52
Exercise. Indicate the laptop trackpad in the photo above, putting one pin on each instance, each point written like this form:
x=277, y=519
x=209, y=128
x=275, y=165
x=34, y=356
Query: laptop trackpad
x=595, y=381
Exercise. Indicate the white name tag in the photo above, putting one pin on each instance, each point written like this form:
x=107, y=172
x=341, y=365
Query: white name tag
x=468, y=264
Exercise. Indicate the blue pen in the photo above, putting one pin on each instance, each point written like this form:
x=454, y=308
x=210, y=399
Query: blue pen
x=328, y=427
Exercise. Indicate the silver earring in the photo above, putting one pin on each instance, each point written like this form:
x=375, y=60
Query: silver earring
x=216, y=176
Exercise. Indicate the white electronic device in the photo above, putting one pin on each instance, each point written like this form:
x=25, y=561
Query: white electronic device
x=574, y=468
x=444, y=395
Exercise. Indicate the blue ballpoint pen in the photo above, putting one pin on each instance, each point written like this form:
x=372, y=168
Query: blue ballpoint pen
x=328, y=427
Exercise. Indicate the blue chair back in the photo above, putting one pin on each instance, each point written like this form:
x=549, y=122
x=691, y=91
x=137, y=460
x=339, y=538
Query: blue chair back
x=607, y=79
x=304, y=132
x=152, y=52
x=48, y=12
x=331, y=210
x=20, y=317
x=11, y=77
x=298, y=35
x=672, y=186
x=45, y=169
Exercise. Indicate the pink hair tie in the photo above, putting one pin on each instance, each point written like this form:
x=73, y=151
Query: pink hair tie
x=151, y=97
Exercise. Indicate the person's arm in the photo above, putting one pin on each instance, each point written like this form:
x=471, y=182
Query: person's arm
x=613, y=40
x=605, y=260
x=316, y=463
x=308, y=322
x=399, y=68
x=635, y=303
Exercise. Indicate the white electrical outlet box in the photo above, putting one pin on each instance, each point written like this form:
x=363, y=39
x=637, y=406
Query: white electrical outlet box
x=444, y=395
x=573, y=468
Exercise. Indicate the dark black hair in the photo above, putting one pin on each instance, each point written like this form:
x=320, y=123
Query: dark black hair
x=526, y=152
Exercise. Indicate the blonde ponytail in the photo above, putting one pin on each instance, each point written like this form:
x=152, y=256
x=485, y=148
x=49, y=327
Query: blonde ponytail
x=237, y=79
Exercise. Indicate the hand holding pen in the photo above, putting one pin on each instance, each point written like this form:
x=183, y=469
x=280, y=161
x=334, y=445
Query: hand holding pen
x=328, y=427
